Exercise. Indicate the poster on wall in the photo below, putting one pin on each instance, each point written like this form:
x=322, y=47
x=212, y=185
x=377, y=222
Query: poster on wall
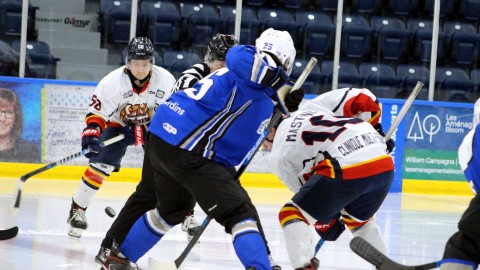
x=20, y=119
x=432, y=137
x=64, y=120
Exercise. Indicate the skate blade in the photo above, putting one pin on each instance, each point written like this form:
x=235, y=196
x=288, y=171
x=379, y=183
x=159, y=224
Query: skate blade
x=75, y=232
x=158, y=265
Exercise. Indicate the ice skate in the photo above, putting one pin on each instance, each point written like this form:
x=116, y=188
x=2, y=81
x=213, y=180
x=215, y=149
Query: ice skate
x=274, y=264
x=116, y=261
x=102, y=256
x=313, y=265
x=77, y=221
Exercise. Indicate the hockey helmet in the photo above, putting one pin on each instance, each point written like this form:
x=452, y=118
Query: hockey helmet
x=218, y=47
x=280, y=44
x=140, y=48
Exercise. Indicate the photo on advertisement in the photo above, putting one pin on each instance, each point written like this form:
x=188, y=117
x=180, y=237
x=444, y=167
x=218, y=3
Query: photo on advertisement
x=20, y=119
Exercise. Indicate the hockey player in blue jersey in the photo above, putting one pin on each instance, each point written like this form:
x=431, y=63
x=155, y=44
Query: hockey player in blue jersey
x=462, y=251
x=201, y=133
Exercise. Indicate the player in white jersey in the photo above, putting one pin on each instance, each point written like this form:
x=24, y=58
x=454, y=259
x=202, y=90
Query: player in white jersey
x=340, y=171
x=123, y=102
x=462, y=251
x=350, y=102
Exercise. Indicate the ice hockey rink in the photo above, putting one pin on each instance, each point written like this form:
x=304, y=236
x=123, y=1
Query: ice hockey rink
x=415, y=228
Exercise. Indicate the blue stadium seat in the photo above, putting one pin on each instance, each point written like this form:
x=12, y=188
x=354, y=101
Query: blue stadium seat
x=312, y=83
x=356, y=36
x=470, y=9
x=327, y=5
x=451, y=81
x=317, y=32
x=403, y=7
x=422, y=39
x=391, y=36
x=116, y=15
x=294, y=4
x=11, y=18
x=202, y=22
x=279, y=19
x=475, y=78
x=250, y=27
x=410, y=75
x=348, y=75
x=161, y=20
x=43, y=63
x=462, y=41
x=380, y=79
x=257, y=3
x=446, y=7
x=366, y=6
x=178, y=61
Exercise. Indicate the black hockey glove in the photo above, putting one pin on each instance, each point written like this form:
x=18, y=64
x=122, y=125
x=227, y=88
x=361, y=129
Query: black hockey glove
x=390, y=142
x=134, y=135
x=293, y=99
x=276, y=80
x=91, y=141
x=330, y=231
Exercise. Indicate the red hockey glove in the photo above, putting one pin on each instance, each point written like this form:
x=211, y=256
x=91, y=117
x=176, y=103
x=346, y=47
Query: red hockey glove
x=330, y=231
x=91, y=141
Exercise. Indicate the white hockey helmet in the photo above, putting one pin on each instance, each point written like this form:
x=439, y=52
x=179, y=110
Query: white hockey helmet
x=476, y=113
x=280, y=44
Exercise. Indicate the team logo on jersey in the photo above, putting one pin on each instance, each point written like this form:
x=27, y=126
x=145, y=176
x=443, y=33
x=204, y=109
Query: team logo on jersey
x=169, y=128
x=160, y=93
x=134, y=114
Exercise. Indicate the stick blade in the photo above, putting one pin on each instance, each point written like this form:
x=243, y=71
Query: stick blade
x=372, y=255
x=8, y=233
x=158, y=265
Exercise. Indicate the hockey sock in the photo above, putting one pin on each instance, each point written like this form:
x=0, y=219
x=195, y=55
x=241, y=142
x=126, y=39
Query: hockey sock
x=144, y=234
x=298, y=235
x=91, y=181
x=370, y=231
x=249, y=245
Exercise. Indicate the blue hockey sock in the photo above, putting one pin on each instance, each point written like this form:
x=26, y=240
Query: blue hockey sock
x=249, y=245
x=144, y=234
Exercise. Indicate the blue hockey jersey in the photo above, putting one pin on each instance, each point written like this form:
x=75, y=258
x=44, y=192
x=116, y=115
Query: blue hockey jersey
x=469, y=158
x=223, y=115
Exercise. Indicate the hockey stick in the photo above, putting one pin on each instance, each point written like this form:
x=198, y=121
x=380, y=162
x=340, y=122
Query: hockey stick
x=8, y=233
x=18, y=192
x=154, y=264
x=372, y=255
x=404, y=109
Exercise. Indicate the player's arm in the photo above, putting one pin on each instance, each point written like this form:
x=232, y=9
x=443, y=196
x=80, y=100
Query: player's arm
x=190, y=76
x=101, y=106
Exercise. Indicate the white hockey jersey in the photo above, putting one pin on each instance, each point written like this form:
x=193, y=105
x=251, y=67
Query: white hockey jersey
x=351, y=102
x=318, y=142
x=115, y=101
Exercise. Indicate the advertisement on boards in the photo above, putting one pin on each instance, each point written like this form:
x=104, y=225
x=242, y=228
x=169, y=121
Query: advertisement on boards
x=20, y=118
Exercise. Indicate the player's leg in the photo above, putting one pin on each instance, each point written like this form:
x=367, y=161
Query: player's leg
x=173, y=204
x=359, y=214
x=141, y=201
x=221, y=198
x=100, y=167
x=320, y=199
x=462, y=250
x=299, y=238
